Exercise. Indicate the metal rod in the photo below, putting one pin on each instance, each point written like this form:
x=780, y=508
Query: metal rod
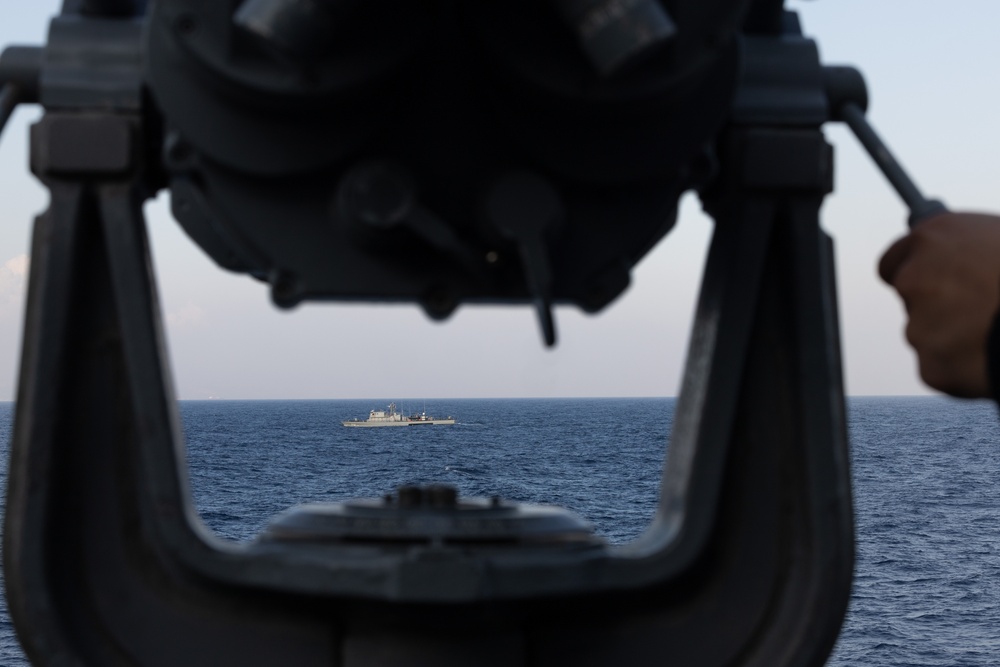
x=920, y=207
x=543, y=306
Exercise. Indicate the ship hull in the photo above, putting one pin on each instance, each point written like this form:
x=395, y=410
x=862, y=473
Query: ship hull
x=416, y=422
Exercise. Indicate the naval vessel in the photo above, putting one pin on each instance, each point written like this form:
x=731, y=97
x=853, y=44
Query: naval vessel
x=391, y=417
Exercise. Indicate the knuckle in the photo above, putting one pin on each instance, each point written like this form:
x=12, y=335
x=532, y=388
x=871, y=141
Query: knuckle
x=936, y=375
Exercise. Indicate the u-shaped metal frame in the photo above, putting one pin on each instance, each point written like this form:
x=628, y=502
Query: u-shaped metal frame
x=748, y=561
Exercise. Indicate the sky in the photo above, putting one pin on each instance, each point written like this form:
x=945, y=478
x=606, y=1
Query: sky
x=931, y=68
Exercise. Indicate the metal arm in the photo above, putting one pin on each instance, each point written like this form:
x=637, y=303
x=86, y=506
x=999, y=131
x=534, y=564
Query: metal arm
x=920, y=207
x=848, y=97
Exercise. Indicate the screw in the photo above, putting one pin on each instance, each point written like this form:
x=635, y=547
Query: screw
x=379, y=194
x=284, y=289
x=178, y=153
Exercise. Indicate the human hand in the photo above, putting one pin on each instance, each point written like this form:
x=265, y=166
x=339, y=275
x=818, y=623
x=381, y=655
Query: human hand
x=947, y=271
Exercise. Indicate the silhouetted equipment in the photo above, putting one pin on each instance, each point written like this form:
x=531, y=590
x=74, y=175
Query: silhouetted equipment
x=613, y=34
x=507, y=151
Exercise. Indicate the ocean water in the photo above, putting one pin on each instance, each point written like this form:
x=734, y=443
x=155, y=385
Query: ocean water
x=926, y=482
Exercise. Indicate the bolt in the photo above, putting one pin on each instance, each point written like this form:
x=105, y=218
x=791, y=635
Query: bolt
x=178, y=154
x=378, y=194
x=284, y=289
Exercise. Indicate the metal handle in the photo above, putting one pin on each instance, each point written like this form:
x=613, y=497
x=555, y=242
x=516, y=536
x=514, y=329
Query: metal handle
x=20, y=72
x=8, y=100
x=920, y=207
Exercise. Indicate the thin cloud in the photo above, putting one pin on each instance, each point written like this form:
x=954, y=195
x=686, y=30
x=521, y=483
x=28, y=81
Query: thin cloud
x=185, y=318
x=17, y=266
x=13, y=275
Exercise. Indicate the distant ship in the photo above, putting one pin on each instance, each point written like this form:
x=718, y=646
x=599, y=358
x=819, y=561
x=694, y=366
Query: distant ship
x=392, y=418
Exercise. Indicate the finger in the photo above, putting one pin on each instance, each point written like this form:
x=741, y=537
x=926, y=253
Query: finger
x=894, y=258
x=961, y=377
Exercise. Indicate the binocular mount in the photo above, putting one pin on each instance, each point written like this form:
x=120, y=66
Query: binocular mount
x=313, y=163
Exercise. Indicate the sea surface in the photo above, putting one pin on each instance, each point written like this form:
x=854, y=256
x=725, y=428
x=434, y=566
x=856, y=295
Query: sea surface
x=926, y=484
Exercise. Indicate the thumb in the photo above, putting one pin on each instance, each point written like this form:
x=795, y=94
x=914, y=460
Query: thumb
x=894, y=258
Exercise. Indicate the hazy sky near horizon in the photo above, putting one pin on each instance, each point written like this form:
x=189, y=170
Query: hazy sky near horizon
x=931, y=68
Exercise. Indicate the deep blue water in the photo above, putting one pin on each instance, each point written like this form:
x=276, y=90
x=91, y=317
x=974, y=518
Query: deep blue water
x=926, y=481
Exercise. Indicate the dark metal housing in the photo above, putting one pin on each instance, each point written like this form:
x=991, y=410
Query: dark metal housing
x=316, y=174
